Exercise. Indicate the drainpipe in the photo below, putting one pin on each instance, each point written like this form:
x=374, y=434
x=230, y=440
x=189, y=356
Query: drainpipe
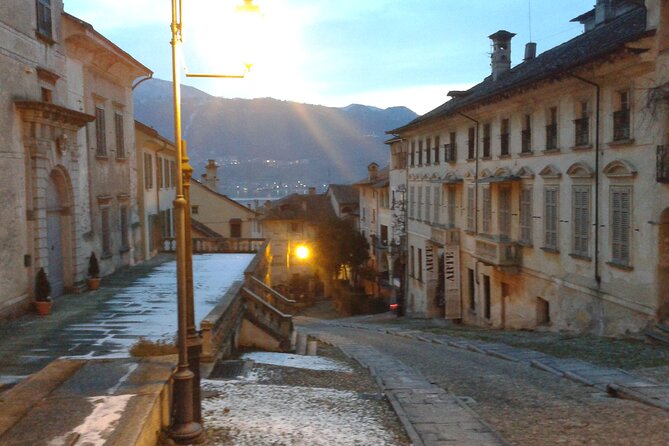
x=598, y=278
x=158, y=185
x=150, y=76
x=476, y=176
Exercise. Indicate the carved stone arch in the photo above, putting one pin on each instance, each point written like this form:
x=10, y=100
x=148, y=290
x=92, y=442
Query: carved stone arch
x=619, y=169
x=503, y=172
x=485, y=173
x=525, y=173
x=580, y=170
x=469, y=175
x=550, y=172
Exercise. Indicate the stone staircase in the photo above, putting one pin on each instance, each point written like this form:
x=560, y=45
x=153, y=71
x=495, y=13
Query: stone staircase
x=659, y=333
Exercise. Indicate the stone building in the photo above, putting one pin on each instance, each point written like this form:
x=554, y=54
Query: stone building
x=156, y=189
x=538, y=197
x=345, y=200
x=52, y=64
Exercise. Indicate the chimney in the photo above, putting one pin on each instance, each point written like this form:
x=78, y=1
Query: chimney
x=373, y=171
x=530, y=51
x=501, y=53
x=604, y=11
x=312, y=191
x=210, y=178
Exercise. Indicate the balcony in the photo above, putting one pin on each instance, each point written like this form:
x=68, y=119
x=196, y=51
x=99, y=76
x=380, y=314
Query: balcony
x=662, y=164
x=497, y=252
x=447, y=236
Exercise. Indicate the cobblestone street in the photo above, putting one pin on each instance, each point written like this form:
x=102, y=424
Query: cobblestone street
x=524, y=405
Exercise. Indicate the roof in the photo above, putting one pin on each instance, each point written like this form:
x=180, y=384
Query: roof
x=223, y=197
x=344, y=193
x=203, y=229
x=598, y=42
x=150, y=131
x=313, y=208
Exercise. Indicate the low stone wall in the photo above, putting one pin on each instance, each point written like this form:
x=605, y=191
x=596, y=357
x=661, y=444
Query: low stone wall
x=220, y=328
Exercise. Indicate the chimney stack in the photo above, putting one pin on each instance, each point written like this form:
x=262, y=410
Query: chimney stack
x=604, y=11
x=210, y=178
x=312, y=190
x=501, y=53
x=530, y=51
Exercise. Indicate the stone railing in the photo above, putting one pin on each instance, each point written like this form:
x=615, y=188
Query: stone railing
x=273, y=322
x=270, y=295
x=207, y=245
x=498, y=252
x=221, y=326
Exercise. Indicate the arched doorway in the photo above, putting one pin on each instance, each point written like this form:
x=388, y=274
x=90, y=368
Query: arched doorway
x=57, y=224
x=663, y=266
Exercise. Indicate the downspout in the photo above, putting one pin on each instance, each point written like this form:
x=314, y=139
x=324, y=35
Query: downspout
x=150, y=76
x=598, y=278
x=158, y=185
x=476, y=175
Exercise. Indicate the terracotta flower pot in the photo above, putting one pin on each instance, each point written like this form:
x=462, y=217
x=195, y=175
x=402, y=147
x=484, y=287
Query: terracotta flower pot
x=43, y=308
x=93, y=283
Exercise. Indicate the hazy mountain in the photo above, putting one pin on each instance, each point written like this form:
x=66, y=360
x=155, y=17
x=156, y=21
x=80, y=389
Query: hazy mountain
x=337, y=143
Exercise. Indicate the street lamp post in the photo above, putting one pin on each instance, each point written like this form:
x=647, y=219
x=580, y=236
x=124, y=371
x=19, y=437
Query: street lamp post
x=187, y=424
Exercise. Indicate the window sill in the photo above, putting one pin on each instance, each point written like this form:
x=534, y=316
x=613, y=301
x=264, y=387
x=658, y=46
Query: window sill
x=102, y=157
x=470, y=232
x=106, y=255
x=508, y=155
x=44, y=38
x=526, y=154
x=471, y=159
x=550, y=250
x=621, y=142
x=124, y=249
x=580, y=257
x=525, y=244
x=486, y=158
x=620, y=266
x=582, y=147
x=551, y=151
x=121, y=158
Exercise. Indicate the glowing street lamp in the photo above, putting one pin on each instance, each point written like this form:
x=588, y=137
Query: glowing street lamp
x=302, y=252
x=186, y=428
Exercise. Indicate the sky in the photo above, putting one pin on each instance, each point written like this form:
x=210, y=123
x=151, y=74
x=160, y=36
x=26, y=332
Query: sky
x=381, y=53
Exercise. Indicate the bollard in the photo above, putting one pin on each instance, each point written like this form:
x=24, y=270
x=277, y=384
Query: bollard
x=301, y=344
x=312, y=347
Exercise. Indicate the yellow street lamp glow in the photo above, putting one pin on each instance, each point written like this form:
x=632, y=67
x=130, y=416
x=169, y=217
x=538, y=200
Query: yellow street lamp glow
x=302, y=252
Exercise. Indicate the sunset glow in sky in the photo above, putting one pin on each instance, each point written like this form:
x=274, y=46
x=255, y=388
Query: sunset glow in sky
x=337, y=52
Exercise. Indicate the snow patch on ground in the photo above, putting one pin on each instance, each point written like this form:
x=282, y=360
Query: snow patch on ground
x=297, y=361
x=258, y=415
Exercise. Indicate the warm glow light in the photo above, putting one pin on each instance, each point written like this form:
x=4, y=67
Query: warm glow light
x=302, y=252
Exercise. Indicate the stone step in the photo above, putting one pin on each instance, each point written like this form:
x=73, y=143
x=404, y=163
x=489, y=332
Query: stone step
x=658, y=336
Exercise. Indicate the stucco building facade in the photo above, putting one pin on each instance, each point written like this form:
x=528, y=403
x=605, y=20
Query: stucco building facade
x=539, y=196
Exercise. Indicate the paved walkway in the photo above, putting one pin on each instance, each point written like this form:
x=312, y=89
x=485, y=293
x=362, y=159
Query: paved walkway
x=430, y=416
x=613, y=380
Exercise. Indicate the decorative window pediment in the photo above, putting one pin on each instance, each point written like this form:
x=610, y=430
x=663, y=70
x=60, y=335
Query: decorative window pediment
x=580, y=170
x=485, y=173
x=550, y=172
x=503, y=172
x=525, y=173
x=469, y=175
x=619, y=169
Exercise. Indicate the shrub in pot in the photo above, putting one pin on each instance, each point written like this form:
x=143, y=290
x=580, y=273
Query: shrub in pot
x=93, y=273
x=43, y=301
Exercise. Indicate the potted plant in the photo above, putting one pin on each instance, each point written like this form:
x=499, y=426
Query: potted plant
x=42, y=294
x=93, y=273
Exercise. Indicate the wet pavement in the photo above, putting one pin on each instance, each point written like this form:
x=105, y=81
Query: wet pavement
x=133, y=302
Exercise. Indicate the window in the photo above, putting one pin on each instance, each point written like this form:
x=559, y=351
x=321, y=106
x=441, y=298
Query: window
x=373, y=215
x=486, y=140
x=504, y=137
x=436, y=149
x=420, y=152
x=100, y=136
x=451, y=206
x=412, y=261
x=123, y=214
x=551, y=218
x=620, y=224
x=364, y=212
x=526, y=136
x=505, y=212
x=621, y=116
x=451, y=154
x=47, y=95
x=412, y=201
x=384, y=235
x=195, y=210
x=487, y=211
x=471, y=289
x=428, y=151
x=428, y=203
x=420, y=264
x=486, y=297
x=581, y=219
x=471, y=143
x=526, y=215
x=120, y=141
x=470, y=208
x=294, y=227
x=582, y=124
x=543, y=312
x=166, y=223
x=551, y=129
x=44, y=26
x=420, y=203
x=173, y=174
x=159, y=172
x=437, y=199
x=105, y=231
x=235, y=228
x=148, y=171
x=413, y=153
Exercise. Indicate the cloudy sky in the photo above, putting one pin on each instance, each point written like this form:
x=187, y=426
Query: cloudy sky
x=336, y=52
